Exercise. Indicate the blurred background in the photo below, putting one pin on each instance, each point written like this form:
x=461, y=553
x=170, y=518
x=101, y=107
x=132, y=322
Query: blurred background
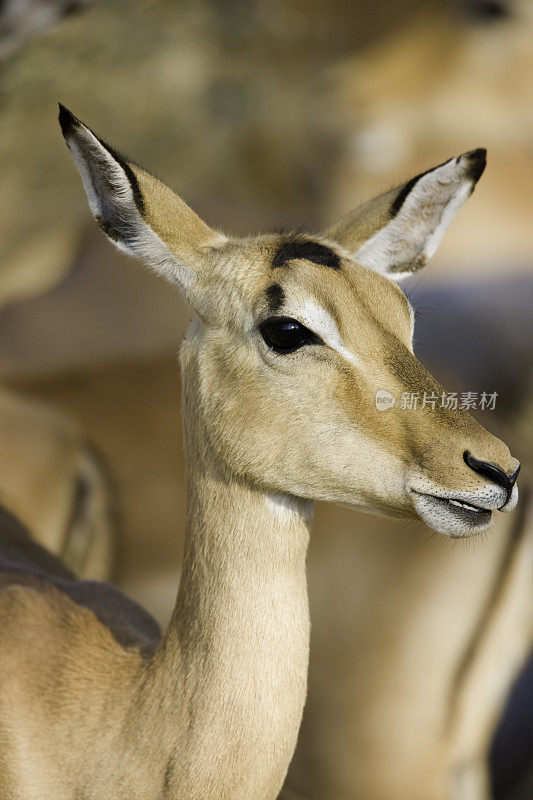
x=262, y=115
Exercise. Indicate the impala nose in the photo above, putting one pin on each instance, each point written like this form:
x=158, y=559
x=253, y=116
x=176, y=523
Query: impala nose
x=492, y=473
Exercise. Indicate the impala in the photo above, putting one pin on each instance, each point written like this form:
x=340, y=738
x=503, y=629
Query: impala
x=294, y=338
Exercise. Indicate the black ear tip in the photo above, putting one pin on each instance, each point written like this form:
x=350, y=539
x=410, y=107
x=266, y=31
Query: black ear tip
x=67, y=120
x=479, y=154
x=477, y=161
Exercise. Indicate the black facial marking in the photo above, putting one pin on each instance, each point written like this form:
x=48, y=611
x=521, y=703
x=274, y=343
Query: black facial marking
x=275, y=297
x=308, y=250
x=69, y=122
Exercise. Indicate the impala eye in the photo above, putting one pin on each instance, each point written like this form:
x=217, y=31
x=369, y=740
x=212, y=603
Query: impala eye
x=284, y=335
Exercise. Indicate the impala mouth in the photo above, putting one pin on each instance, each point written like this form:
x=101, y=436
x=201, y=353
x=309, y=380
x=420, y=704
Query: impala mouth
x=451, y=516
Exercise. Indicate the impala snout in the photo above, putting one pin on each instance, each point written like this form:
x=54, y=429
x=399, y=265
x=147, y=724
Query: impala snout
x=483, y=487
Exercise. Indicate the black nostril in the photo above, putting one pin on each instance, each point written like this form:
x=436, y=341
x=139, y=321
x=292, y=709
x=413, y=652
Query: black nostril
x=492, y=473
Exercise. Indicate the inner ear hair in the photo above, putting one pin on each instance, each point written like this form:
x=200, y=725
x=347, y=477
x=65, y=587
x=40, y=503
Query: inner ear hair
x=140, y=214
x=399, y=231
x=112, y=188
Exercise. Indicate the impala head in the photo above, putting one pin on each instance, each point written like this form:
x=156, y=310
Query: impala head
x=296, y=335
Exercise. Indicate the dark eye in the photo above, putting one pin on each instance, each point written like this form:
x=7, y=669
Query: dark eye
x=284, y=335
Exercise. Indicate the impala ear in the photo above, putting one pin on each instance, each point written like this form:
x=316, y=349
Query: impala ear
x=140, y=215
x=399, y=231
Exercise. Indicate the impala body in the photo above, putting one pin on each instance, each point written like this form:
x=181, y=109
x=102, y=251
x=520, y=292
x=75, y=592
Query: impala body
x=294, y=338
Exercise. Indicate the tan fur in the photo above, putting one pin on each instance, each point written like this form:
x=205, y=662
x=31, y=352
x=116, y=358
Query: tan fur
x=213, y=710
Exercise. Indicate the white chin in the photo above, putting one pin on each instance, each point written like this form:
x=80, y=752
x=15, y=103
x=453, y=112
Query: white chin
x=450, y=518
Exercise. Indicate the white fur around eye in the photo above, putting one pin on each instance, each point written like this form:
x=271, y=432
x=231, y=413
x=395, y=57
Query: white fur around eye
x=320, y=322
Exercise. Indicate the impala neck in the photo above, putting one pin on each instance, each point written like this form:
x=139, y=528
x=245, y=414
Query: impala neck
x=235, y=655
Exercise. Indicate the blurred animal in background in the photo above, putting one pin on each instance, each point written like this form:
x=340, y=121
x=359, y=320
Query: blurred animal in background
x=53, y=481
x=22, y=20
